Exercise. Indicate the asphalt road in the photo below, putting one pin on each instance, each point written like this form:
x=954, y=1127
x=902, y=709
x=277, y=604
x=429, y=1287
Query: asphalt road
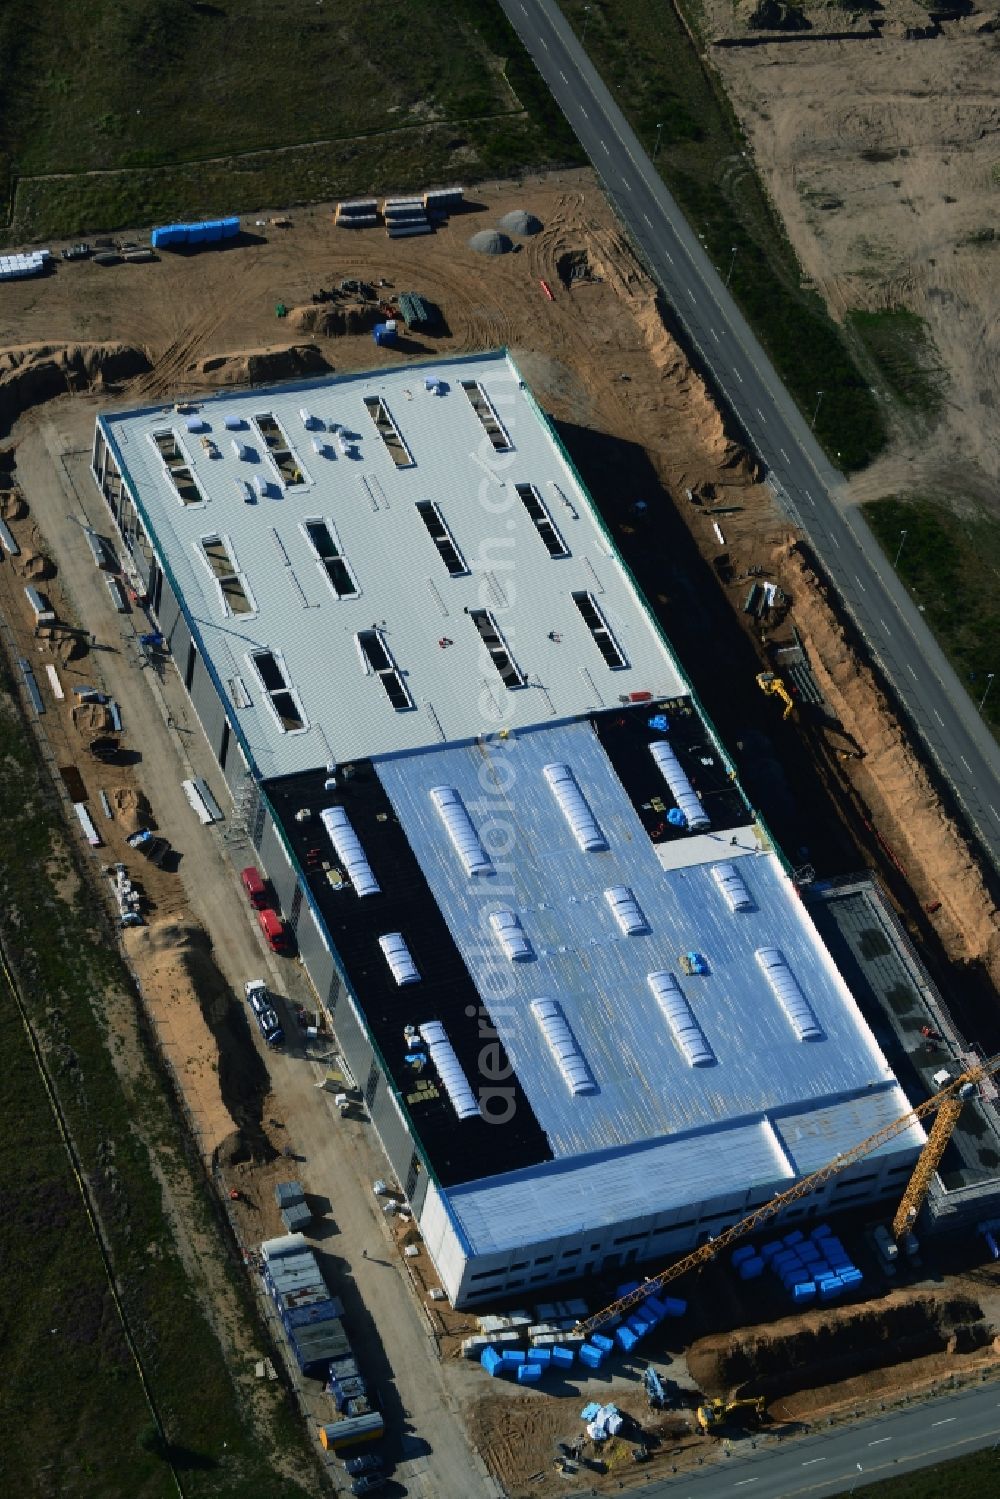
x=813, y=1467
x=806, y=483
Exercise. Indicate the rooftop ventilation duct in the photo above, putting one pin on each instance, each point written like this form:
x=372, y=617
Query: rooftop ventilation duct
x=680, y=787
x=459, y=827
x=449, y=1070
x=680, y=1017
x=575, y=808
x=733, y=887
x=347, y=846
x=509, y=933
x=626, y=911
x=399, y=958
x=786, y=991
x=562, y=1044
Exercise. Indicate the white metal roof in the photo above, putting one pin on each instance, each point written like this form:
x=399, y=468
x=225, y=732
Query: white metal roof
x=416, y=577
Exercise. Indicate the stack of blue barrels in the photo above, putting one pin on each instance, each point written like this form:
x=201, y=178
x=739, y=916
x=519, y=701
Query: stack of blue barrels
x=811, y=1268
x=209, y=231
x=527, y=1368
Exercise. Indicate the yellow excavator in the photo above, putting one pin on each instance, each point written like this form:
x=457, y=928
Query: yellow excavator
x=768, y=682
x=714, y=1413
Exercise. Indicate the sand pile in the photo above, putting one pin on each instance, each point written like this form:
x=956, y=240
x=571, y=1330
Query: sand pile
x=253, y=366
x=520, y=222
x=937, y=860
x=491, y=242
x=60, y=641
x=91, y=718
x=820, y=1347
x=31, y=373
x=12, y=506
x=34, y=566
x=131, y=808
x=332, y=321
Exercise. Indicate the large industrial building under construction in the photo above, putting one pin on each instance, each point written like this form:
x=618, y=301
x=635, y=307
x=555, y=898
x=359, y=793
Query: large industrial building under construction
x=591, y=1018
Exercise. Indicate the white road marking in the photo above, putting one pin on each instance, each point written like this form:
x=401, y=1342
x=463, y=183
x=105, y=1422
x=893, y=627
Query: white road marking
x=944, y=1421
x=649, y=221
x=784, y=455
x=562, y=75
x=835, y=541
x=939, y=718
x=860, y=584
x=714, y=334
x=544, y=43
x=879, y=1440
x=743, y=1482
x=996, y=814
x=738, y=376
x=809, y=498
x=812, y=1460
x=690, y=293
x=886, y=628
x=606, y=148
x=584, y=112
x=627, y=183
x=912, y=672
x=669, y=256
x=969, y=769
x=761, y=415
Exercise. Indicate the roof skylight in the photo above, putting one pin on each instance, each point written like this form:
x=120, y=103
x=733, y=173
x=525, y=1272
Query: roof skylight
x=600, y=629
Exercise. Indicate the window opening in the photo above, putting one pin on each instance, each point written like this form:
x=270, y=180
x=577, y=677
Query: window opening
x=486, y=412
x=489, y=632
x=598, y=626
x=323, y=540
x=388, y=431
x=231, y=585
x=442, y=538
x=178, y=468
x=283, y=700
x=279, y=450
x=544, y=524
x=377, y=660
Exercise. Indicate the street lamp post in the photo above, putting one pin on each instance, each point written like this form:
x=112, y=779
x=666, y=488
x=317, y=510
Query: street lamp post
x=812, y=424
x=899, y=549
x=989, y=683
x=729, y=275
x=656, y=146
x=586, y=23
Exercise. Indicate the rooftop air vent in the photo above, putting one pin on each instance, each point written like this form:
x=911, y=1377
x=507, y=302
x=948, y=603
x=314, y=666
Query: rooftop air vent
x=680, y=787
x=509, y=933
x=399, y=958
x=680, y=1017
x=449, y=1070
x=784, y=986
x=733, y=887
x=562, y=1044
x=626, y=911
x=347, y=846
x=575, y=808
x=459, y=827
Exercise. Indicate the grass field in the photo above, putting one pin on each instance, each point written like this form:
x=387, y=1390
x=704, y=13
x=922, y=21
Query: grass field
x=196, y=107
x=74, y=1420
x=650, y=63
x=951, y=565
x=900, y=348
x=971, y=1477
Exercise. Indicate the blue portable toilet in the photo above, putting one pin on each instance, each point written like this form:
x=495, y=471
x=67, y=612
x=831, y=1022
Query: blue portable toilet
x=562, y=1358
x=625, y=1338
x=599, y=1340
x=541, y=1356
x=529, y=1373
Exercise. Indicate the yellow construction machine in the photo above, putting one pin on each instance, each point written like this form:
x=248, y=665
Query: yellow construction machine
x=768, y=682
x=714, y=1413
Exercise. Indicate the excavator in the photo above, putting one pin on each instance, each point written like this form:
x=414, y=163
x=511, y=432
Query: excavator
x=768, y=682
x=714, y=1413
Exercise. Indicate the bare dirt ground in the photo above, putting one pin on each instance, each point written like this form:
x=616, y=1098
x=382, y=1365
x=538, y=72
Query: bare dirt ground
x=602, y=364
x=881, y=156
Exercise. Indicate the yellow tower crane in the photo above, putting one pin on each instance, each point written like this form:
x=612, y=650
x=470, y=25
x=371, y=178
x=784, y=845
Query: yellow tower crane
x=948, y=1105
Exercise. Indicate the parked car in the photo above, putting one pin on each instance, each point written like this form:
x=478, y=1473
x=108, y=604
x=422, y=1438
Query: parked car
x=279, y=938
x=265, y=1014
x=256, y=888
x=76, y=252
x=368, y=1462
x=369, y=1483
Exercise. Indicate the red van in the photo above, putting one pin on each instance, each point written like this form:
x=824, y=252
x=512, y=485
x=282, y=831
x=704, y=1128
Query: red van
x=256, y=888
x=279, y=938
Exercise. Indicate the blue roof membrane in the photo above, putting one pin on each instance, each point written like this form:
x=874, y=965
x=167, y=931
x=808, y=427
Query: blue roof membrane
x=645, y=1087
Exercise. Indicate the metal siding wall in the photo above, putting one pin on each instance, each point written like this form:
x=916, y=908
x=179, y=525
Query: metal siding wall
x=315, y=954
x=393, y=1133
x=169, y=611
x=178, y=639
x=419, y=1192
x=211, y=714
x=353, y=1042
x=236, y=772
x=272, y=856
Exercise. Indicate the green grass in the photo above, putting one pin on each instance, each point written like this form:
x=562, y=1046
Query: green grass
x=654, y=70
x=167, y=95
x=72, y=1411
x=900, y=347
x=951, y=565
x=971, y=1477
